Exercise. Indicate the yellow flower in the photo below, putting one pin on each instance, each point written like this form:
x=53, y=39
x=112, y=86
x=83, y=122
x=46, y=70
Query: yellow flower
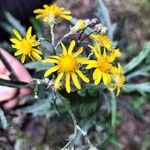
x=103, y=66
x=67, y=64
x=26, y=46
x=52, y=13
x=103, y=40
x=119, y=79
x=114, y=53
x=80, y=24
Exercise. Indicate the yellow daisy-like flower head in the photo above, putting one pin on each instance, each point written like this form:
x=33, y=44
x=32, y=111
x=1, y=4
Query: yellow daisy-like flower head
x=119, y=79
x=67, y=65
x=80, y=24
x=103, y=66
x=52, y=13
x=26, y=46
x=103, y=40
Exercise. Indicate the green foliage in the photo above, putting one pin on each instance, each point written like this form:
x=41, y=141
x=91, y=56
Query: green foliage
x=38, y=66
x=3, y=120
x=138, y=59
x=103, y=14
x=12, y=23
x=95, y=106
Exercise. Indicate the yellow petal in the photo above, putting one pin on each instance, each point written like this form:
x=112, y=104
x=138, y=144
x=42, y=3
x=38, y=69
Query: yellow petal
x=36, y=56
x=37, y=51
x=18, y=53
x=98, y=48
x=36, y=44
x=92, y=64
x=55, y=57
x=68, y=88
x=78, y=52
x=94, y=50
x=97, y=77
x=72, y=45
x=13, y=40
x=23, y=57
x=118, y=91
x=28, y=35
x=64, y=50
x=46, y=6
x=57, y=81
x=67, y=12
x=106, y=78
x=38, y=11
x=17, y=34
x=96, y=74
x=50, y=60
x=83, y=60
x=120, y=68
x=50, y=71
x=75, y=81
x=82, y=76
x=67, y=17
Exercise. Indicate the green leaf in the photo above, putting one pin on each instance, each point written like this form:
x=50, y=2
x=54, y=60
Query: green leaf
x=38, y=65
x=138, y=59
x=6, y=45
x=8, y=28
x=144, y=71
x=37, y=26
x=41, y=107
x=15, y=23
x=140, y=88
x=3, y=120
x=104, y=16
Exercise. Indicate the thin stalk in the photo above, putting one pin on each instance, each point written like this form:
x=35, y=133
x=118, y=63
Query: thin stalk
x=113, y=109
x=52, y=37
x=66, y=35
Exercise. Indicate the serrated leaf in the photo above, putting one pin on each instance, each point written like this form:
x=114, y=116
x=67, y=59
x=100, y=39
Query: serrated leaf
x=38, y=65
x=138, y=59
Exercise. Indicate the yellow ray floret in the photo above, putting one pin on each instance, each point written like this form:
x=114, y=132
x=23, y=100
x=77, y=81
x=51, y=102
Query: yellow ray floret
x=51, y=13
x=67, y=65
x=103, y=68
x=119, y=79
x=26, y=46
x=103, y=40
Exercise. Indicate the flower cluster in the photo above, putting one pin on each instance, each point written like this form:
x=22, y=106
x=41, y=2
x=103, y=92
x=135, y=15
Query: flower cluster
x=70, y=66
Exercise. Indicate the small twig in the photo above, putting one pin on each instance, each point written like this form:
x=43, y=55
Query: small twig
x=19, y=84
x=87, y=36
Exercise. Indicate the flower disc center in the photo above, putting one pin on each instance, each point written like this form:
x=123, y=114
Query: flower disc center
x=104, y=65
x=26, y=46
x=67, y=63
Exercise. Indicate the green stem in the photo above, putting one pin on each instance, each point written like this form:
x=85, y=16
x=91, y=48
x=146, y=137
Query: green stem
x=113, y=109
x=66, y=35
x=52, y=37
